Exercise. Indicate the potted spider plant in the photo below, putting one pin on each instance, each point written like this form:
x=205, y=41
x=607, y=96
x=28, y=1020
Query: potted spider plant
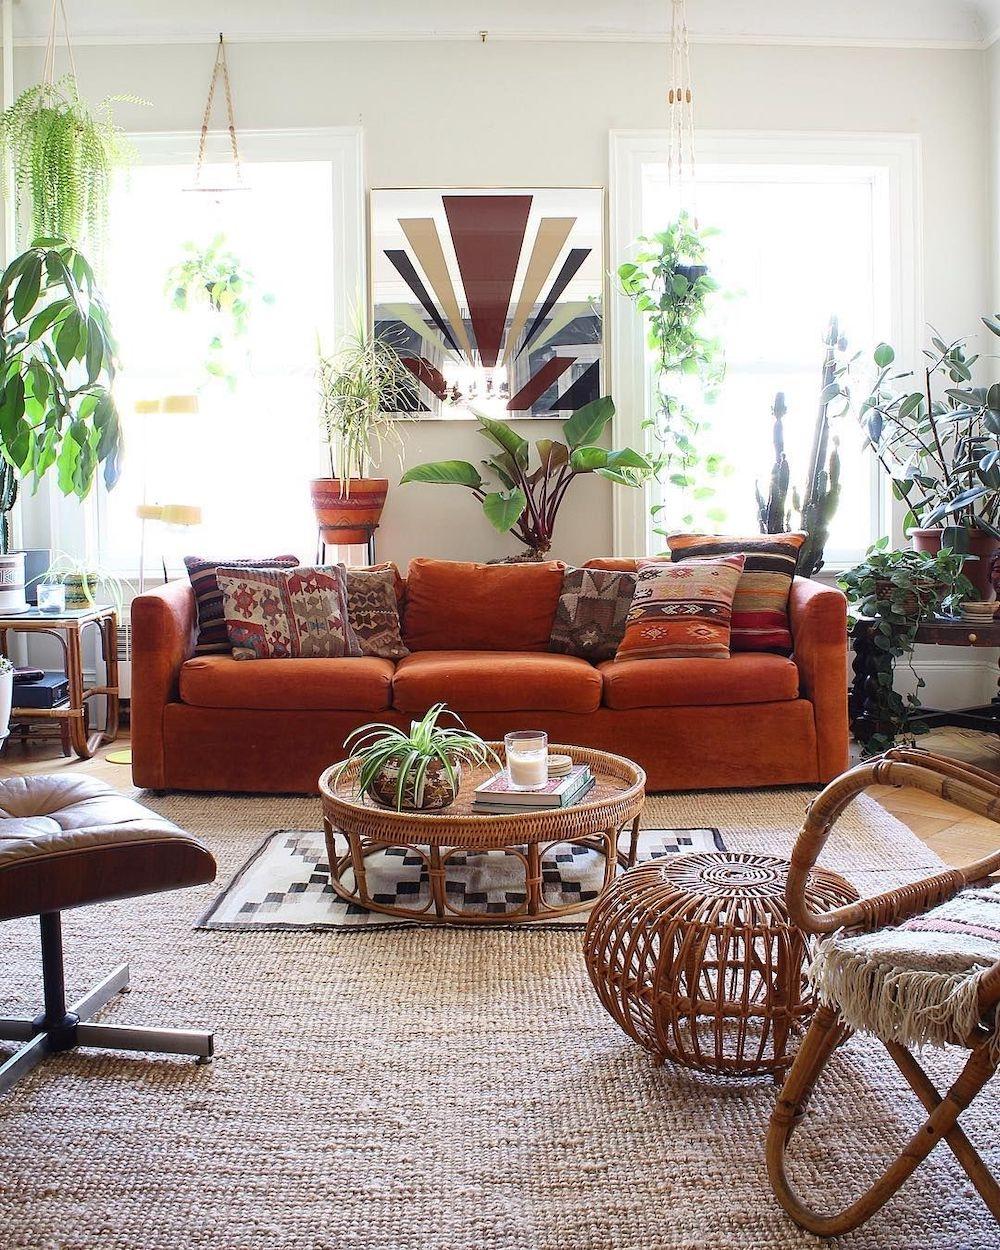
x=416, y=771
x=361, y=389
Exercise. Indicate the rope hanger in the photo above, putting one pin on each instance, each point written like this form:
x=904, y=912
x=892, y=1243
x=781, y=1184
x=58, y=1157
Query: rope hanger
x=680, y=106
x=49, y=61
x=219, y=70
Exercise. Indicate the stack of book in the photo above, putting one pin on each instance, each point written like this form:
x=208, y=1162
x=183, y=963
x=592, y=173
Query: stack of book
x=498, y=797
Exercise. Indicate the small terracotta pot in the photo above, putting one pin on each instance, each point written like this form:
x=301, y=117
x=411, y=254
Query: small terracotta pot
x=981, y=544
x=348, y=512
x=437, y=791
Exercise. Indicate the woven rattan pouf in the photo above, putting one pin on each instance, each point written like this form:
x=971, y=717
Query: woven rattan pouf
x=696, y=959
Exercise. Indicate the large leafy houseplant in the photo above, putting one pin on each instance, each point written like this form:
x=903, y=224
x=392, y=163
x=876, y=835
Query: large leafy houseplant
x=897, y=590
x=57, y=367
x=64, y=154
x=669, y=282
x=937, y=441
x=416, y=770
x=528, y=497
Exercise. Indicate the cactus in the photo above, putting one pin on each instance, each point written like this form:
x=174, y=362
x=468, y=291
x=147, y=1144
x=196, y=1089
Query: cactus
x=817, y=507
x=8, y=497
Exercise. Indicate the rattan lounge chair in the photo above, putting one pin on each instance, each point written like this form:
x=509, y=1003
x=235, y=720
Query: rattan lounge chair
x=916, y=966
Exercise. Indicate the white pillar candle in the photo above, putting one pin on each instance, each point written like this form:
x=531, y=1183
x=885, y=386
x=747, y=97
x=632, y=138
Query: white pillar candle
x=527, y=760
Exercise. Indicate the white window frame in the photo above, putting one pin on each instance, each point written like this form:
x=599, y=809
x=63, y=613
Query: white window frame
x=343, y=146
x=896, y=157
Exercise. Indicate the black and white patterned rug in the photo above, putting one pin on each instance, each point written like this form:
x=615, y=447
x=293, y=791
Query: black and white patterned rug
x=286, y=882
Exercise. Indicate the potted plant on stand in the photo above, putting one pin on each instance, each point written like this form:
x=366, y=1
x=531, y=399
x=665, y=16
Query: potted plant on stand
x=938, y=444
x=360, y=390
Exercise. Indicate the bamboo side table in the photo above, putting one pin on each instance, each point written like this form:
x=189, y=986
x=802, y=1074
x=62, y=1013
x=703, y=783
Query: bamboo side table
x=68, y=628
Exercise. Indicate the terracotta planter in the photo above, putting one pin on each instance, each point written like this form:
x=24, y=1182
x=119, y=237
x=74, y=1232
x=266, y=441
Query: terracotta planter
x=981, y=544
x=436, y=793
x=348, y=512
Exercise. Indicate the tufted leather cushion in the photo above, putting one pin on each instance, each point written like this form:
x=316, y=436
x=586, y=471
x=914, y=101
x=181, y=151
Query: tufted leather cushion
x=69, y=841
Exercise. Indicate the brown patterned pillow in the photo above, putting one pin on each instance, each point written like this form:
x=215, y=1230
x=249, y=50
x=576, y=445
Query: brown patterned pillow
x=373, y=610
x=590, y=618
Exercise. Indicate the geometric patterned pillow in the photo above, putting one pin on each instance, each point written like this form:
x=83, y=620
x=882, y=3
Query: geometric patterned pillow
x=373, y=612
x=682, y=611
x=208, y=597
x=590, y=618
x=760, y=609
x=276, y=614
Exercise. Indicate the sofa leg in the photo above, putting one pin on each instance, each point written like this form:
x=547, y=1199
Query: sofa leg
x=58, y=1028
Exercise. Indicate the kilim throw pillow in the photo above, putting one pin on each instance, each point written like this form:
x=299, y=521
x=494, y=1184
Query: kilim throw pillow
x=681, y=611
x=590, y=618
x=373, y=611
x=760, y=609
x=277, y=614
x=208, y=597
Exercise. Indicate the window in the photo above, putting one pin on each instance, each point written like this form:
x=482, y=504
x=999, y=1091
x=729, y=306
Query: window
x=804, y=235
x=246, y=454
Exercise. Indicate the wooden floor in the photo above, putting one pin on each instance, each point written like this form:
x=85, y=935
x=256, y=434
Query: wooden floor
x=954, y=835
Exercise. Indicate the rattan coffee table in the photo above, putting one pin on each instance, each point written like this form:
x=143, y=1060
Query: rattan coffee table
x=615, y=802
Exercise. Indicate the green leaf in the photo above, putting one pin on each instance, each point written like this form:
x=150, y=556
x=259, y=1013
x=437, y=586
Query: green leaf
x=26, y=295
x=884, y=355
x=504, y=508
x=502, y=434
x=46, y=317
x=444, y=473
x=587, y=423
x=68, y=338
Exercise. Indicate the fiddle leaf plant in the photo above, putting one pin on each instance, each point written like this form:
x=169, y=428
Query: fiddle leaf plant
x=669, y=283
x=57, y=368
x=528, y=492
x=896, y=590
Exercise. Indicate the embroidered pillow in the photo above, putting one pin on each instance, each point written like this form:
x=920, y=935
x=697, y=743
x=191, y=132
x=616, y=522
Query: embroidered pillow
x=590, y=617
x=760, y=609
x=208, y=597
x=373, y=612
x=277, y=614
x=682, y=611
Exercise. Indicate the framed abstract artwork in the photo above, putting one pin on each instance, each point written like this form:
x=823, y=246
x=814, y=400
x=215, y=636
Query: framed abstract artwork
x=494, y=299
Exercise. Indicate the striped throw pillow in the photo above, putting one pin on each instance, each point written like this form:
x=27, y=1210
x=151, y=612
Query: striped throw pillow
x=760, y=609
x=204, y=574
x=681, y=611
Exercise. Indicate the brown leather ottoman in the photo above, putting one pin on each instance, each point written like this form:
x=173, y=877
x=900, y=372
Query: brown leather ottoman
x=66, y=842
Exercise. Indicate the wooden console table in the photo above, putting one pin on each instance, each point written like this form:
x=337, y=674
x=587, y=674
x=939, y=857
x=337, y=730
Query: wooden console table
x=941, y=632
x=68, y=628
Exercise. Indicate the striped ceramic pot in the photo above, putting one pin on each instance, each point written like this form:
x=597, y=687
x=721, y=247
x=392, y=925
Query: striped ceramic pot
x=348, y=512
x=12, y=582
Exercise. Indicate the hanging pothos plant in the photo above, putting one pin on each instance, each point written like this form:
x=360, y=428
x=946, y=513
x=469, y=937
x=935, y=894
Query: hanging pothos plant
x=64, y=154
x=670, y=285
x=214, y=278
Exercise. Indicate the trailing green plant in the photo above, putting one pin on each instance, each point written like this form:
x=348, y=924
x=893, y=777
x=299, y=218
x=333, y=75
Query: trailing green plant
x=57, y=368
x=214, y=278
x=670, y=285
x=64, y=154
x=362, y=389
x=411, y=755
x=938, y=442
x=529, y=496
x=816, y=506
x=898, y=589
x=97, y=585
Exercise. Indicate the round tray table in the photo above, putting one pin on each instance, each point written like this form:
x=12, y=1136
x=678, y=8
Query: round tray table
x=616, y=801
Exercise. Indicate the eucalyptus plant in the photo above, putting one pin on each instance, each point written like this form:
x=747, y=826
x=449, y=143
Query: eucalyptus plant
x=529, y=496
x=64, y=154
x=898, y=589
x=57, y=368
x=670, y=285
x=937, y=440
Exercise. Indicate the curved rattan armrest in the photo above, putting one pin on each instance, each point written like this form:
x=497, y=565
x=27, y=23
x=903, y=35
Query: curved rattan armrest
x=962, y=784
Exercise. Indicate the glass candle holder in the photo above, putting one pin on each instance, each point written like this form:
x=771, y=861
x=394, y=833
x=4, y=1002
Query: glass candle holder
x=51, y=597
x=527, y=759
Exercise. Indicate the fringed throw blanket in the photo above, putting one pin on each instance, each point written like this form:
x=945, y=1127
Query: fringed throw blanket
x=916, y=984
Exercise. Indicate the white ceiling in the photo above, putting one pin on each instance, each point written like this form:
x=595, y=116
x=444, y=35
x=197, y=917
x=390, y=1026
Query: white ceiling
x=956, y=23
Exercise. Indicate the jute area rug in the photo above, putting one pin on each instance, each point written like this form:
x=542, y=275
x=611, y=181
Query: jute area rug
x=429, y=1089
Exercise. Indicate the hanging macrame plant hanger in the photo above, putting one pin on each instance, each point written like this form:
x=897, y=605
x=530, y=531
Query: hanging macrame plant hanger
x=49, y=60
x=681, y=174
x=219, y=70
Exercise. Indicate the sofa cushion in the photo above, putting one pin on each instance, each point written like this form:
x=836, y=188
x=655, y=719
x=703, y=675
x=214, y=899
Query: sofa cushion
x=496, y=681
x=681, y=611
x=456, y=606
x=212, y=637
x=373, y=611
x=745, y=678
x=282, y=614
x=590, y=618
x=359, y=684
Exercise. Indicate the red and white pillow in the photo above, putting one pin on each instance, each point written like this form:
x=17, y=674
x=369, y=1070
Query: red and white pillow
x=276, y=614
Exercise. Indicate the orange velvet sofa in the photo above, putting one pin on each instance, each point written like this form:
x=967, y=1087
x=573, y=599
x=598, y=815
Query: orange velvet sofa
x=478, y=643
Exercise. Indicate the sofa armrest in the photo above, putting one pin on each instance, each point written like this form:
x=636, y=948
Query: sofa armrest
x=164, y=626
x=819, y=628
